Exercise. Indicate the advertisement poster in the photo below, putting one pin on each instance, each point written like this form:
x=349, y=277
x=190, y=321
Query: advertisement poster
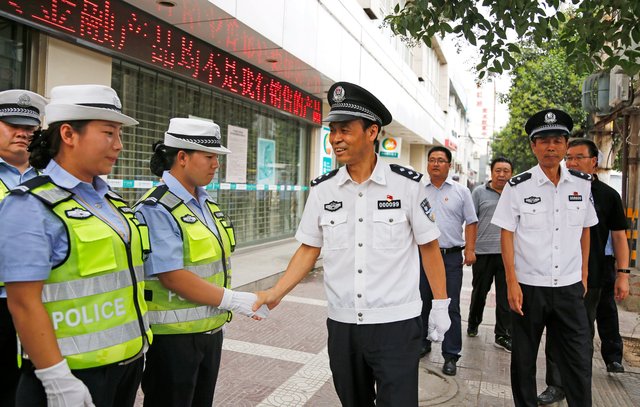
x=266, y=161
x=237, y=139
x=391, y=147
x=326, y=161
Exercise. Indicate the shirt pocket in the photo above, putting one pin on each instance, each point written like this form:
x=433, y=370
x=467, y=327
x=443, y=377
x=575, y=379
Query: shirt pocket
x=200, y=244
x=95, y=249
x=576, y=213
x=334, y=231
x=390, y=229
x=533, y=217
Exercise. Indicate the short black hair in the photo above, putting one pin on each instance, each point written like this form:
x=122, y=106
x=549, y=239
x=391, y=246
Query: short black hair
x=501, y=159
x=593, y=149
x=442, y=149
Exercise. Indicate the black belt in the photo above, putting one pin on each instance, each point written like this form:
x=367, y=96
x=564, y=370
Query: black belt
x=452, y=250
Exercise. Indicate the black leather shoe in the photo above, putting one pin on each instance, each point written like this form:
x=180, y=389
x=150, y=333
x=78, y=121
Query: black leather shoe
x=449, y=367
x=425, y=349
x=615, y=367
x=472, y=331
x=552, y=395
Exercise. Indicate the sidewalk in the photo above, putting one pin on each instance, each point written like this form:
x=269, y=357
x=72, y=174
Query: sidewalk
x=283, y=360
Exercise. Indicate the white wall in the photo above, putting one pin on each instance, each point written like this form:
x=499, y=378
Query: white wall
x=68, y=64
x=337, y=38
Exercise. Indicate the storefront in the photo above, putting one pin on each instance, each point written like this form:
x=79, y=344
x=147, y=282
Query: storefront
x=14, y=54
x=161, y=72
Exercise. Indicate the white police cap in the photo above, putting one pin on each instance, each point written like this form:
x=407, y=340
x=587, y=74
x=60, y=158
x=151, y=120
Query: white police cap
x=86, y=102
x=21, y=107
x=194, y=134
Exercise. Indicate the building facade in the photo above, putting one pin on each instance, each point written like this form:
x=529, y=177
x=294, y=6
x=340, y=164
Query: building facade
x=260, y=70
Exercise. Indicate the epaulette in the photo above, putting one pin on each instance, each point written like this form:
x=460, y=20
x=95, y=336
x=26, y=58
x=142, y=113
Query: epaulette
x=405, y=172
x=33, y=183
x=582, y=175
x=324, y=177
x=51, y=197
x=115, y=196
x=519, y=178
x=154, y=197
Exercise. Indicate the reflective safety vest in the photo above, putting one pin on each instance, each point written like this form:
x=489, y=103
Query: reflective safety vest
x=4, y=191
x=204, y=254
x=95, y=297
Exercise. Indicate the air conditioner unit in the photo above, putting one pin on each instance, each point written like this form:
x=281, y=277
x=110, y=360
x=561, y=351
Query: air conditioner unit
x=618, y=87
x=595, y=94
x=475, y=155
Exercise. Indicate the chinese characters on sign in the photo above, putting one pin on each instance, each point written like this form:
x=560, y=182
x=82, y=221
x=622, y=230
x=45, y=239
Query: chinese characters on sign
x=116, y=26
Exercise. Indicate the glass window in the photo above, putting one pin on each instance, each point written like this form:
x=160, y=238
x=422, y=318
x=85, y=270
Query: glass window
x=258, y=215
x=13, y=55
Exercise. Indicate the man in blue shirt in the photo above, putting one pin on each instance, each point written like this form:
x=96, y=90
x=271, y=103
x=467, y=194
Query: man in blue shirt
x=452, y=207
x=20, y=112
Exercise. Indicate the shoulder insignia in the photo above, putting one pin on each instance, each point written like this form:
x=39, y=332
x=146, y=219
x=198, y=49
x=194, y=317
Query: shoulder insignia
x=405, y=172
x=51, y=197
x=154, y=197
x=33, y=183
x=324, y=177
x=115, y=196
x=519, y=178
x=581, y=174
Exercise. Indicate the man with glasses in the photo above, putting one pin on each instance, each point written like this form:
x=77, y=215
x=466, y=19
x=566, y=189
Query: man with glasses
x=582, y=155
x=452, y=207
x=545, y=215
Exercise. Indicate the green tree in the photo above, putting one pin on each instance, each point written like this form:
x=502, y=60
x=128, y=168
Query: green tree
x=598, y=33
x=541, y=79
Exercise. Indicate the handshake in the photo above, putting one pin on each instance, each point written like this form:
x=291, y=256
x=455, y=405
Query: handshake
x=242, y=303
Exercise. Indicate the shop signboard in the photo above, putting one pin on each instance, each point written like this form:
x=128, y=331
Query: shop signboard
x=122, y=30
x=391, y=147
x=326, y=160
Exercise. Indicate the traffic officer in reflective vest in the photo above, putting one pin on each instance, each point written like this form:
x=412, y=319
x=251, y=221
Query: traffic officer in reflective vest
x=20, y=113
x=371, y=218
x=545, y=215
x=71, y=256
x=189, y=272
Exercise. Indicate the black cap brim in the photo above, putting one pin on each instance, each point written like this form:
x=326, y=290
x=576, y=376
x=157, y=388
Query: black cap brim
x=340, y=117
x=551, y=133
x=20, y=121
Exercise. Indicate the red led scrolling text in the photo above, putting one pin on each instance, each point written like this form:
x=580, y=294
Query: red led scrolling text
x=100, y=22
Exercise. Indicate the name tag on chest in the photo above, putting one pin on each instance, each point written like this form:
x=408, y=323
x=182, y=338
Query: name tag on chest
x=393, y=204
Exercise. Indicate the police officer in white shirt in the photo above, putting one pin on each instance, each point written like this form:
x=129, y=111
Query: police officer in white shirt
x=545, y=215
x=370, y=217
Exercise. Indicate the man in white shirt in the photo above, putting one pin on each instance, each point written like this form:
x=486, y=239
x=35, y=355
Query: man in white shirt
x=545, y=215
x=371, y=218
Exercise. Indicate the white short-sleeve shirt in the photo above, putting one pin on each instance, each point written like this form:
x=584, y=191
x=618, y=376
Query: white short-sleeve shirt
x=370, y=233
x=547, y=222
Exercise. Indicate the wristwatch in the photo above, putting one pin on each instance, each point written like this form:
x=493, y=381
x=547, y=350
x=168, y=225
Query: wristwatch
x=626, y=271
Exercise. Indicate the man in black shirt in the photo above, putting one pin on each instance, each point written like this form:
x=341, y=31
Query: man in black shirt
x=582, y=155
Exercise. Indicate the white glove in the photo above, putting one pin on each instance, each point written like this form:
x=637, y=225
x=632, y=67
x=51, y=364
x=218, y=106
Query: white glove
x=242, y=303
x=439, y=321
x=63, y=388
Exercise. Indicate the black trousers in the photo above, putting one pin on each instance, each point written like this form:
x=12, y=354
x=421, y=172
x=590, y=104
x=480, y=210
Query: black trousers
x=382, y=357
x=561, y=310
x=607, y=317
x=8, y=357
x=110, y=386
x=487, y=268
x=182, y=370
x=452, y=344
x=591, y=301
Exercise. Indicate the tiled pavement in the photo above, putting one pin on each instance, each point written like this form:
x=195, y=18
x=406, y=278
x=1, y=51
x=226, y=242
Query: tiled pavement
x=283, y=361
